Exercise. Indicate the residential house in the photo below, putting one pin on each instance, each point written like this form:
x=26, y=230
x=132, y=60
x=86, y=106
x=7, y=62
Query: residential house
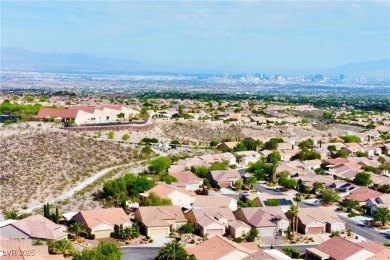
x=219, y=248
x=179, y=196
x=263, y=199
x=227, y=145
x=363, y=194
x=215, y=201
x=101, y=222
x=268, y=220
x=83, y=115
x=247, y=157
x=160, y=220
x=223, y=178
x=34, y=227
x=187, y=180
x=318, y=220
x=382, y=201
x=268, y=254
x=338, y=248
x=211, y=221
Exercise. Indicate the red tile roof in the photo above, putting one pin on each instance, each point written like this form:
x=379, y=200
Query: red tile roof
x=363, y=194
x=56, y=112
x=338, y=248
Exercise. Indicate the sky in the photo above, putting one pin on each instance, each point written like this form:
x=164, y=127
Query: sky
x=242, y=36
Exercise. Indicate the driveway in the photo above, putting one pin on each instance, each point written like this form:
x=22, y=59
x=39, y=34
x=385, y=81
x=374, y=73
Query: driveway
x=159, y=241
x=139, y=253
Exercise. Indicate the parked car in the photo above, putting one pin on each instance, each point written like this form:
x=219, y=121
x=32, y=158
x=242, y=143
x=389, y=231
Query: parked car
x=244, y=194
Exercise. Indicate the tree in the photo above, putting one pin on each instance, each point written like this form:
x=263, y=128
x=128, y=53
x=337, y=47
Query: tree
x=62, y=246
x=238, y=184
x=186, y=229
x=251, y=181
x=147, y=149
x=362, y=178
x=126, y=137
x=172, y=251
x=219, y=166
x=332, y=148
x=272, y=144
x=104, y=251
x=288, y=182
x=274, y=167
x=121, y=115
x=57, y=216
x=292, y=252
x=111, y=135
x=342, y=154
x=318, y=186
x=294, y=212
x=159, y=165
x=330, y=196
x=200, y=171
x=154, y=200
x=385, y=188
x=307, y=155
x=382, y=214
x=273, y=157
x=168, y=178
x=77, y=228
x=247, y=203
x=327, y=115
x=260, y=170
x=297, y=199
x=304, y=145
x=351, y=139
x=351, y=204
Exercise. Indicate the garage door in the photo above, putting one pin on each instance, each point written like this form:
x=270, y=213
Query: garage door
x=267, y=232
x=314, y=230
x=214, y=232
x=102, y=233
x=162, y=232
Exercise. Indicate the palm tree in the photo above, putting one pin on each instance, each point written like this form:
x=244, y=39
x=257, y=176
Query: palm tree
x=382, y=214
x=297, y=199
x=62, y=246
x=172, y=250
x=77, y=228
x=294, y=212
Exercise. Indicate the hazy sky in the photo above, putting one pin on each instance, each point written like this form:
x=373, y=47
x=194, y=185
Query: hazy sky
x=225, y=35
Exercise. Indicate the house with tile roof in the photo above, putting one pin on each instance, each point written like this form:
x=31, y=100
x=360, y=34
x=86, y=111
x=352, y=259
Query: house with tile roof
x=268, y=254
x=318, y=220
x=268, y=220
x=211, y=221
x=338, y=248
x=178, y=195
x=383, y=201
x=215, y=201
x=223, y=178
x=218, y=247
x=187, y=180
x=34, y=227
x=102, y=222
x=160, y=220
x=363, y=194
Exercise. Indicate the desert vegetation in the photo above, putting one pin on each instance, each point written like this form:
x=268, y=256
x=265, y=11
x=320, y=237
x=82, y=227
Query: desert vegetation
x=38, y=166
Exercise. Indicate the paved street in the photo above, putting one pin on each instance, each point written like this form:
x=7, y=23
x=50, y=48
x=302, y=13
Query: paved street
x=139, y=253
x=368, y=233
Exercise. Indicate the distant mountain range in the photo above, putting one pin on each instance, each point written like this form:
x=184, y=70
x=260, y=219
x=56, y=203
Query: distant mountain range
x=17, y=59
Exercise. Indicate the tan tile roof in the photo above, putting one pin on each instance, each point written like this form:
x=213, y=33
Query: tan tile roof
x=110, y=216
x=216, y=248
x=372, y=246
x=207, y=216
x=225, y=175
x=56, y=112
x=339, y=248
x=382, y=255
x=211, y=201
x=363, y=194
x=37, y=226
x=163, y=190
x=262, y=216
x=321, y=214
x=259, y=255
x=186, y=177
x=155, y=216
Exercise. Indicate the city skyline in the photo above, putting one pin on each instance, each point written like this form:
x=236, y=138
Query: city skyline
x=239, y=36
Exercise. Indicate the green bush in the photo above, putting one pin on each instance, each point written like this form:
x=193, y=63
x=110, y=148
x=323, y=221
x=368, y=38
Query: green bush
x=186, y=229
x=238, y=240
